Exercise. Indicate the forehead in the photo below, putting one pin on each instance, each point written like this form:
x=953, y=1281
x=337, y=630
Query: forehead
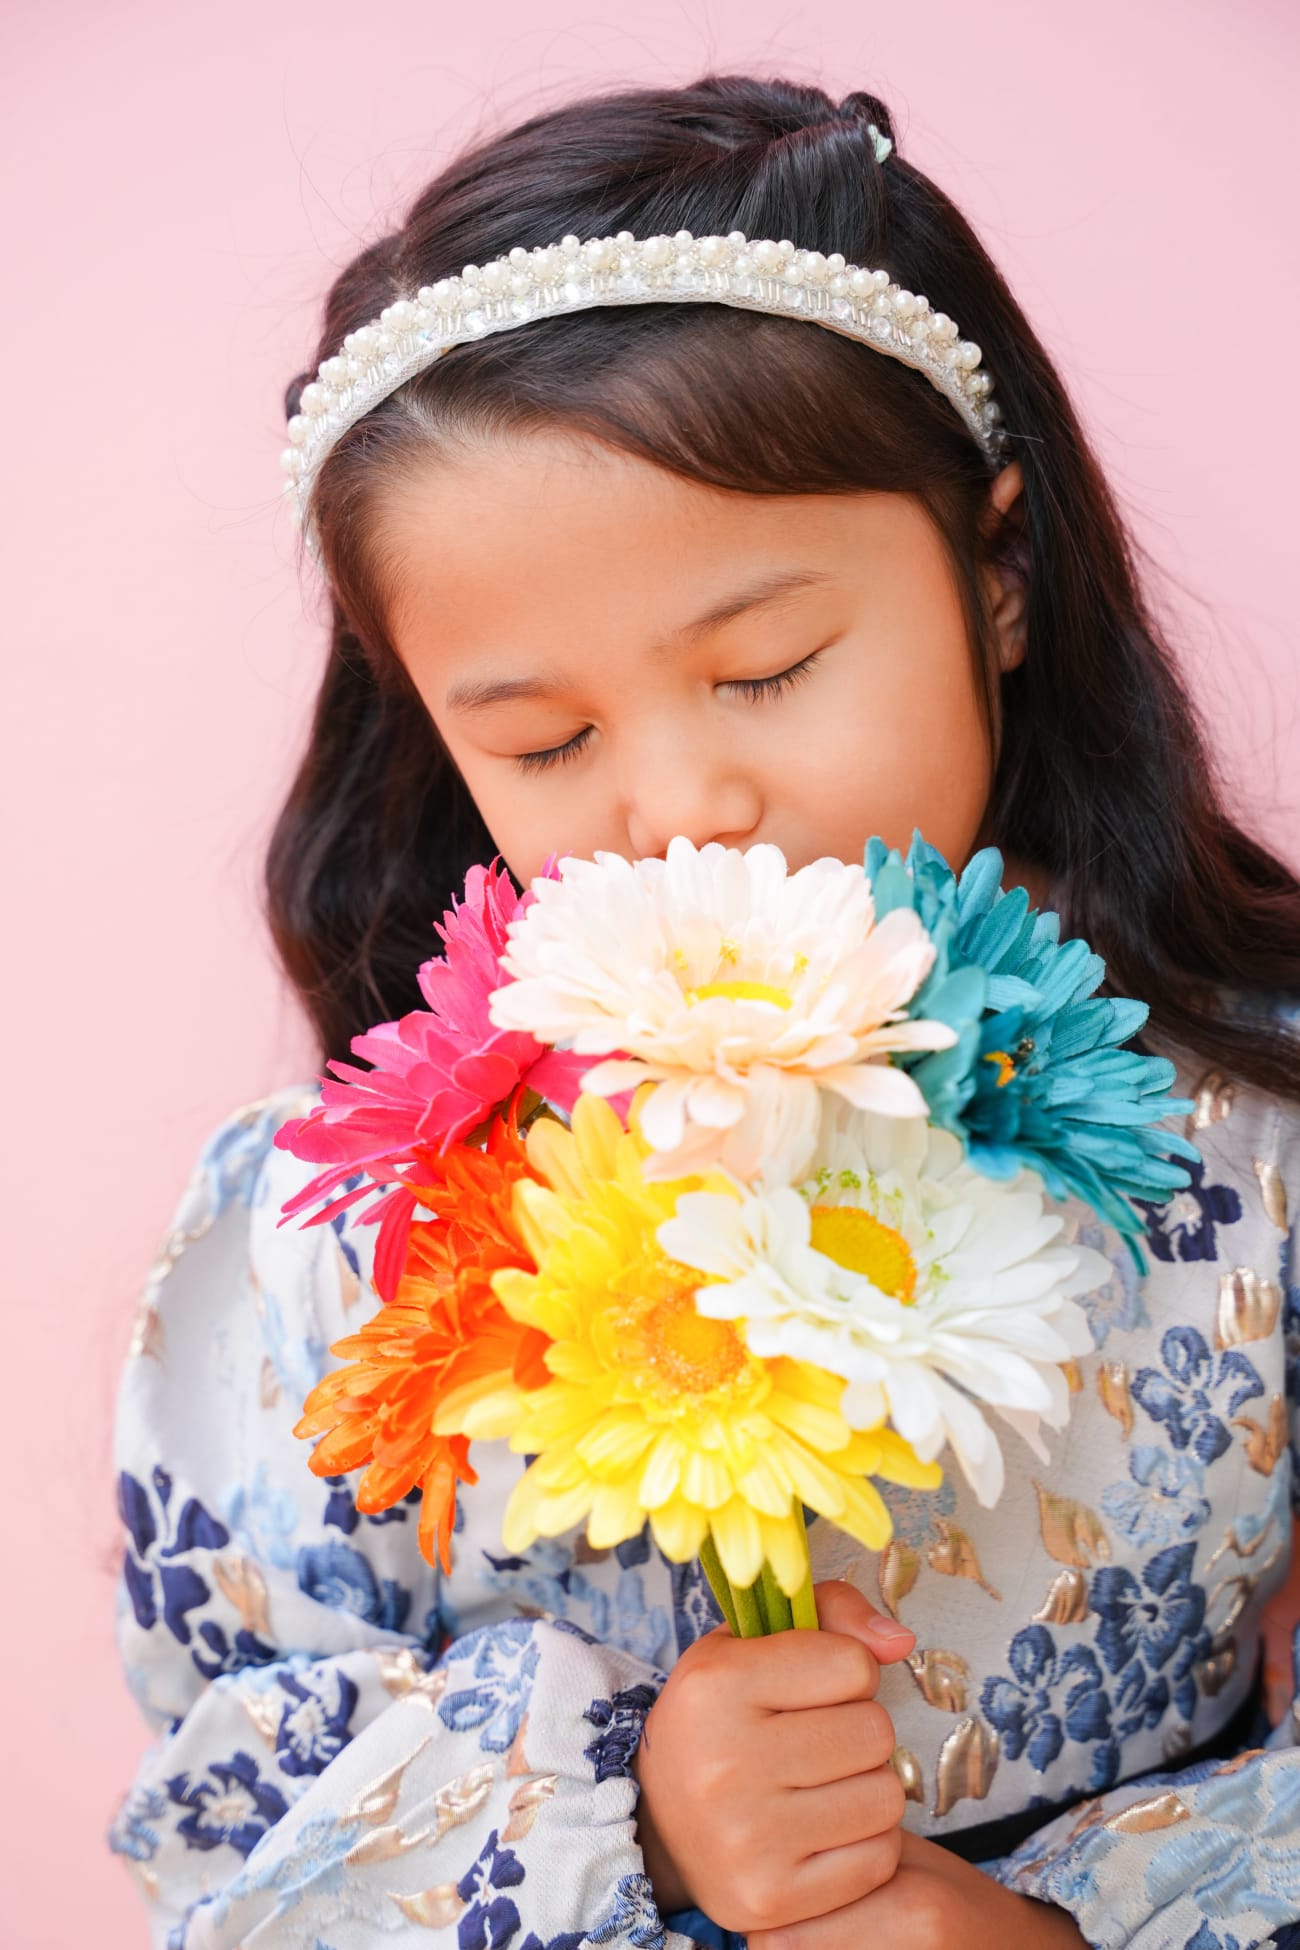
x=537, y=523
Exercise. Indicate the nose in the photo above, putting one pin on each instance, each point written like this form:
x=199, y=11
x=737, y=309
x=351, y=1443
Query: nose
x=696, y=788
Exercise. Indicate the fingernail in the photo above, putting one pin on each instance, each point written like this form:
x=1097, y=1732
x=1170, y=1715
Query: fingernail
x=889, y=1631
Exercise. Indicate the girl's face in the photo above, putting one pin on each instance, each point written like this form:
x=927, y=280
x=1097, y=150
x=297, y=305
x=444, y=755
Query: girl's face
x=614, y=654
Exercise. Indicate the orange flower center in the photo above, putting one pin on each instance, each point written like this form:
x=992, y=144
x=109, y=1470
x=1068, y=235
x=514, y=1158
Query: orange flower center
x=862, y=1244
x=687, y=1352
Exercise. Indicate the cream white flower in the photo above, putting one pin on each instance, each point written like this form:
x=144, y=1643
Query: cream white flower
x=740, y=989
x=934, y=1291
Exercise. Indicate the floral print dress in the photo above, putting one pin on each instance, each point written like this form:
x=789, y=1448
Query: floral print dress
x=349, y=1747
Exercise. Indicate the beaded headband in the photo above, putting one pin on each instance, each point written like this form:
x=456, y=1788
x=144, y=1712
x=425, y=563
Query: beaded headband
x=755, y=274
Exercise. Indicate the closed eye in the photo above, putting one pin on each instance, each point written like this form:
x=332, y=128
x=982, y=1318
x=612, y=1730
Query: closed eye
x=752, y=688
x=781, y=680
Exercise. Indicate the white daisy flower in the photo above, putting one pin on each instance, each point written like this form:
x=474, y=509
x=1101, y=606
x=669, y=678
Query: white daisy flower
x=740, y=989
x=934, y=1291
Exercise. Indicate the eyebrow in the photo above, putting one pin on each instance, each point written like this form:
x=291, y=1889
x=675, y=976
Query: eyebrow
x=478, y=693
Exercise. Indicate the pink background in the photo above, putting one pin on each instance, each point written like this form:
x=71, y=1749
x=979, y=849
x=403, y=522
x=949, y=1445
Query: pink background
x=180, y=183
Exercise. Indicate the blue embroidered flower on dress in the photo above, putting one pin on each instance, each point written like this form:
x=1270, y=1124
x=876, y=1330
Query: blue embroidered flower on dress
x=1164, y=1503
x=315, y=1722
x=695, y=1609
x=156, y=1535
x=133, y=1833
x=504, y=1660
x=231, y=1805
x=621, y=1720
x=336, y=1575
x=1185, y=1225
x=1118, y=1307
x=262, y=1518
x=1049, y=1698
x=1146, y=1626
x=223, y=1654
x=491, y=1919
x=1240, y=1854
x=634, y=1916
x=341, y=1512
x=1199, y=1392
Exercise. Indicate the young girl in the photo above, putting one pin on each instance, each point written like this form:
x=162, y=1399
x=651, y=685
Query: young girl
x=678, y=567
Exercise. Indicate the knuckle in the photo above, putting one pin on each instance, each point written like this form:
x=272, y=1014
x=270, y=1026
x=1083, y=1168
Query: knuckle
x=878, y=1737
x=891, y=1802
x=881, y=1857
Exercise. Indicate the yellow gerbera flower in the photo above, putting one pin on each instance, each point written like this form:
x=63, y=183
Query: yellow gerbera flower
x=654, y=1410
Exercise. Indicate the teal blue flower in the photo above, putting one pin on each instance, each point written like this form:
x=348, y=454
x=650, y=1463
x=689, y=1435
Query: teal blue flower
x=1038, y=1076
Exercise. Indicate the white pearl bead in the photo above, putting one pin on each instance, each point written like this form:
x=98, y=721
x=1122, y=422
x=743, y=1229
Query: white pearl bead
x=904, y=303
x=496, y=276
x=312, y=400
x=520, y=284
x=968, y=355
x=792, y=273
x=835, y=263
x=861, y=283
x=402, y=313
x=657, y=250
x=470, y=274
x=767, y=255
x=814, y=267
x=518, y=256
x=838, y=285
x=569, y=244
x=737, y=238
x=545, y=265
x=683, y=239
x=298, y=428
x=292, y=461
x=712, y=250
x=624, y=237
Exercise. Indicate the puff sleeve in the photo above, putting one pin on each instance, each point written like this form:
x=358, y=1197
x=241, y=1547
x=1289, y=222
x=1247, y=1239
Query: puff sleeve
x=329, y=1766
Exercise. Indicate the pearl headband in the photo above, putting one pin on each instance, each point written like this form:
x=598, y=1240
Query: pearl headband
x=755, y=274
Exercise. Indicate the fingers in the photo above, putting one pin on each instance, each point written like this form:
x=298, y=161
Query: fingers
x=827, y=1743
x=834, y=1878
x=842, y=1608
x=820, y=1819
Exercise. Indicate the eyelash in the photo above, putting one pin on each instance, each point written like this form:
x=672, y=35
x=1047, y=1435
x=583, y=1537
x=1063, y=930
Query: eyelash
x=754, y=689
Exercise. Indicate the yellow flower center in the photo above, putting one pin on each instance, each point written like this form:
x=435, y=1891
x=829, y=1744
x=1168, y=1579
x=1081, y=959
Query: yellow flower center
x=856, y=1240
x=743, y=992
x=1006, y=1066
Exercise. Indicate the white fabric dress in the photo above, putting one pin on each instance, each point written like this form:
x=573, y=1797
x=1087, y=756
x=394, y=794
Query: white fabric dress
x=350, y=1748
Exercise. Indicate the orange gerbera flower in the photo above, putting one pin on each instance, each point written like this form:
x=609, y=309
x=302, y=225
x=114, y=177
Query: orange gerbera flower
x=443, y=1329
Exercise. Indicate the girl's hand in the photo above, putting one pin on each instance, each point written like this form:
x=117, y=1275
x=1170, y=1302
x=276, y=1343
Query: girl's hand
x=765, y=1791
x=932, y=1901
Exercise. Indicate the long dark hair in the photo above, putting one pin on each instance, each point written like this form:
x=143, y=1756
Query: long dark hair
x=1103, y=777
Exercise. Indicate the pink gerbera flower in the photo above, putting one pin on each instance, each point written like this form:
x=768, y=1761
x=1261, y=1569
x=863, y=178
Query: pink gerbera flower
x=436, y=1075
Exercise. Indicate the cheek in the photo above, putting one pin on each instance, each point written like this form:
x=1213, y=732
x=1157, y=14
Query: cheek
x=907, y=748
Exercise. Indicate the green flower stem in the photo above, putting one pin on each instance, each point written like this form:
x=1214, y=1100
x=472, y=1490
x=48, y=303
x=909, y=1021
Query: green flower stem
x=750, y=1610
x=775, y=1603
x=719, y=1583
x=803, y=1605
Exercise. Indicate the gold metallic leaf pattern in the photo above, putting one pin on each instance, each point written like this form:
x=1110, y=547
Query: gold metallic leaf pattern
x=1112, y=1386
x=1238, y=1761
x=240, y=1582
x=436, y=1909
x=955, y=1556
x=1272, y=1191
x=587, y=1553
x=402, y=1675
x=1175, y=1742
x=460, y=1800
x=377, y=1802
x=1265, y=1443
x=517, y=1759
x=1213, y=1674
x=263, y=1709
x=1231, y=1542
x=1072, y=1533
x=1066, y=1602
x=524, y=1805
x=385, y=1845
x=897, y=1570
x=941, y=1676
x=968, y=1760
x=148, y=1335
x=268, y=1386
x=1212, y=1102
x=1248, y=1307
x=908, y=1769
x=1073, y=1376
x=1142, y=1817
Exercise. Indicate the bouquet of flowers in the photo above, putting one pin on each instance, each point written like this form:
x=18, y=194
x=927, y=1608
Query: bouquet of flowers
x=718, y=1191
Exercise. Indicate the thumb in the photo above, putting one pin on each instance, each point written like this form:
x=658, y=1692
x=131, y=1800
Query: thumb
x=841, y=1607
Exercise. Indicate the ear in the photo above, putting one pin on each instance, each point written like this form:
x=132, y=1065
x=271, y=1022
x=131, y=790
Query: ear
x=1005, y=575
